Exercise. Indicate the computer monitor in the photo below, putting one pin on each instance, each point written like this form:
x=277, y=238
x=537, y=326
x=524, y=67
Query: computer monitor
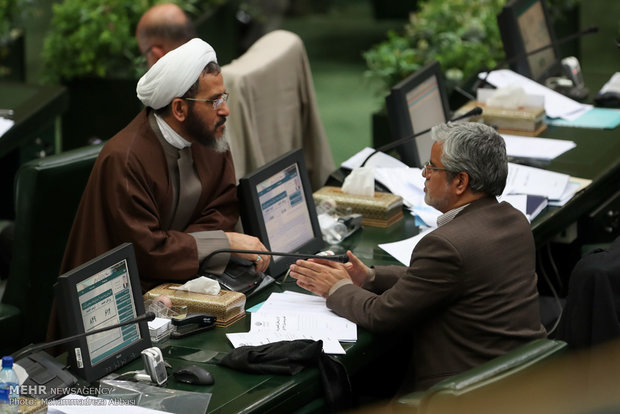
x=102, y=292
x=415, y=104
x=524, y=26
x=278, y=208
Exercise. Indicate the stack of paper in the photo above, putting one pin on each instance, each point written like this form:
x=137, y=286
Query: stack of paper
x=289, y=316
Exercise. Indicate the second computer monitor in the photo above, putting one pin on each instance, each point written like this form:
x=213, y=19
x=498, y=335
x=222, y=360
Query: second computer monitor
x=415, y=104
x=278, y=208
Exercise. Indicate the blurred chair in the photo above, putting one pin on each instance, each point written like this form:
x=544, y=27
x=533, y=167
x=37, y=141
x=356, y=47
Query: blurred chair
x=47, y=194
x=455, y=391
x=591, y=315
x=273, y=107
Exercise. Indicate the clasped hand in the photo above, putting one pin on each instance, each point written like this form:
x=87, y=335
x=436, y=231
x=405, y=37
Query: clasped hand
x=241, y=241
x=319, y=275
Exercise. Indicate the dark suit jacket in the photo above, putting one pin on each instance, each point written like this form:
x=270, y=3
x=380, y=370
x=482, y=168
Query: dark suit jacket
x=469, y=293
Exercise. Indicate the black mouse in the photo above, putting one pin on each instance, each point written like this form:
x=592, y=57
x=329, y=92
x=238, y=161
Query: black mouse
x=193, y=374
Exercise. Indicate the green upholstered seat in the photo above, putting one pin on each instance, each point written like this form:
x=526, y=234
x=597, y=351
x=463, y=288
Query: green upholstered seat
x=47, y=194
x=447, y=392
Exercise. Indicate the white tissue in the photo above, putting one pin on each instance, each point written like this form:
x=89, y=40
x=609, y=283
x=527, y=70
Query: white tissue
x=201, y=284
x=509, y=97
x=361, y=181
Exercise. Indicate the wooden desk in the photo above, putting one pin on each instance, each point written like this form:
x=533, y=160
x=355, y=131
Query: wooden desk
x=37, y=110
x=596, y=157
x=35, y=107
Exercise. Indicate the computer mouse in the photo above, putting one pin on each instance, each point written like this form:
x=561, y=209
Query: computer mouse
x=608, y=99
x=193, y=374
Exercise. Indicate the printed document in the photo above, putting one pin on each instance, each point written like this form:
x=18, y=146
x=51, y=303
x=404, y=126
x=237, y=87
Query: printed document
x=291, y=315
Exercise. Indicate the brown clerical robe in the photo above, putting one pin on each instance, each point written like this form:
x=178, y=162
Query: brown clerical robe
x=129, y=198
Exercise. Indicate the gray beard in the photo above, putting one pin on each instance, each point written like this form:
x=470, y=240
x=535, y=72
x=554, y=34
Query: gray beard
x=221, y=144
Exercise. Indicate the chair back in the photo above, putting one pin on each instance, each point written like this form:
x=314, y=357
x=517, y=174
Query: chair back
x=453, y=392
x=273, y=107
x=48, y=191
x=591, y=314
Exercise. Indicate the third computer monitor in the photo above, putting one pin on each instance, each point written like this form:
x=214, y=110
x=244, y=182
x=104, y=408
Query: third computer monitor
x=524, y=27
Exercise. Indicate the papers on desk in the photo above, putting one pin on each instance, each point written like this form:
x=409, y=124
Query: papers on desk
x=290, y=316
x=536, y=147
x=5, y=125
x=556, y=104
x=380, y=159
x=523, y=179
x=409, y=183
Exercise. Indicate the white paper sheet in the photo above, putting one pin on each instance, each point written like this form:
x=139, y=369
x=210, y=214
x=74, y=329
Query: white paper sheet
x=536, y=147
x=330, y=345
x=5, y=125
x=401, y=250
x=523, y=179
x=380, y=159
x=406, y=182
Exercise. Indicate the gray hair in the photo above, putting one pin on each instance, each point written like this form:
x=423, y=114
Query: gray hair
x=476, y=149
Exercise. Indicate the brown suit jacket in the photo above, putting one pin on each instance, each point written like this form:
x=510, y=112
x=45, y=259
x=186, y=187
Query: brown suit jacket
x=468, y=295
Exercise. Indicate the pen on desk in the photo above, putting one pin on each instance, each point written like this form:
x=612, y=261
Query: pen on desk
x=6, y=112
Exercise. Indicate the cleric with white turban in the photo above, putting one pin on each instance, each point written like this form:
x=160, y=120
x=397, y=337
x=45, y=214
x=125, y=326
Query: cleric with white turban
x=173, y=74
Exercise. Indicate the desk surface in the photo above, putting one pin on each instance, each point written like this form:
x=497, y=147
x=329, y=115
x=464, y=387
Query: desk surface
x=34, y=106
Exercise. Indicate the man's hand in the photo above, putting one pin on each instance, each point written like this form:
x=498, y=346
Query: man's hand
x=244, y=242
x=318, y=275
x=357, y=270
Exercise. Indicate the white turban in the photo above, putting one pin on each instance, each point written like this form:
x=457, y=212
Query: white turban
x=173, y=74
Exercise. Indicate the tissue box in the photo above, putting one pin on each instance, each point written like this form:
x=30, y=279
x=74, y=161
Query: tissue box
x=227, y=306
x=380, y=210
x=525, y=120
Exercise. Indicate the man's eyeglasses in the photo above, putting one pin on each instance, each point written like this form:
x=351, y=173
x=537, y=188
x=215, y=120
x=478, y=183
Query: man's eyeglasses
x=429, y=168
x=216, y=102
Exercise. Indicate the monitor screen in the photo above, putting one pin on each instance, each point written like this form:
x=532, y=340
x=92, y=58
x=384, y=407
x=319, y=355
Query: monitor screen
x=415, y=104
x=103, y=292
x=524, y=27
x=278, y=208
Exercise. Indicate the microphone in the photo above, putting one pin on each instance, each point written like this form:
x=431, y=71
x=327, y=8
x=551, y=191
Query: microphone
x=30, y=349
x=508, y=61
x=475, y=111
x=342, y=258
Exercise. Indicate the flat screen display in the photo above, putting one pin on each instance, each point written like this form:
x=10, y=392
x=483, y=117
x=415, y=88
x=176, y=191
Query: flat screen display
x=535, y=34
x=284, y=208
x=417, y=103
x=277, y=207
x=524, y=26
x=101, y=293
x=106, y=299
x=425, y=111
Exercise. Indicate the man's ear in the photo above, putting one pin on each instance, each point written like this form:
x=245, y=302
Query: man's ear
x=461, y=181
x=157, y=51
x=179, y=109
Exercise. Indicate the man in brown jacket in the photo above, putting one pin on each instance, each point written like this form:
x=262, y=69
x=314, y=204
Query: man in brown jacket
x=469, y=293
x=141, y=191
